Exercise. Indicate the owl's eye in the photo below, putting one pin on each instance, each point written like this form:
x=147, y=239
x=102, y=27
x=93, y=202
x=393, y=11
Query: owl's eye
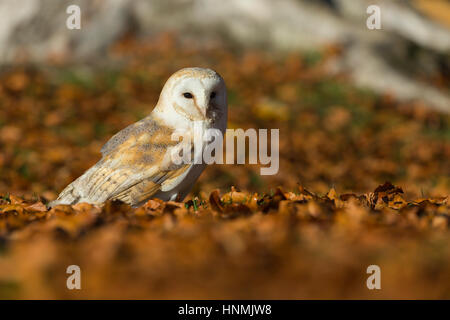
x=213, y=94
x=188, y=95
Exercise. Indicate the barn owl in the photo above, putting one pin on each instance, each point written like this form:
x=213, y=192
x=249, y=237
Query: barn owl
x=135, y=164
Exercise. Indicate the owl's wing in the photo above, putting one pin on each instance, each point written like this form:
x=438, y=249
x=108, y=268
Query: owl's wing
x=146, y=188
x=136, y=163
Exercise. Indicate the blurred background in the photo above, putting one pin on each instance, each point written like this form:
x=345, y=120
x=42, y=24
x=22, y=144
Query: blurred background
x=355, y=107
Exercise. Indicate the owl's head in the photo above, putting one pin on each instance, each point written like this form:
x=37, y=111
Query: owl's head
x=196, y=94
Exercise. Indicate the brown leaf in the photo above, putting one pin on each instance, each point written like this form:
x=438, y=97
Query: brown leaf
x=36, y=207
x=153, y=204
x=388, y=188
x=15, y=200
x=214, y=200
x=332, y=195
x=11, y=208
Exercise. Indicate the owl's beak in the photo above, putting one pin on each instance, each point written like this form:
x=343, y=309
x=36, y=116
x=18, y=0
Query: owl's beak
x=201, y=113
x=203, y=106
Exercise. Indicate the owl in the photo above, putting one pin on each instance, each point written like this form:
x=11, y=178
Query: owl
x=136, y=164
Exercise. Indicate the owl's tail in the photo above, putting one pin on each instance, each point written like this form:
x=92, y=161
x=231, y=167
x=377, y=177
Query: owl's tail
x=83, y=189
x=68, y=196
x=73, y=193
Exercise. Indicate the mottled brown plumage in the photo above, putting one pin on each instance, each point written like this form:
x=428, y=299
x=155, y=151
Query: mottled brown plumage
x=136, y=162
